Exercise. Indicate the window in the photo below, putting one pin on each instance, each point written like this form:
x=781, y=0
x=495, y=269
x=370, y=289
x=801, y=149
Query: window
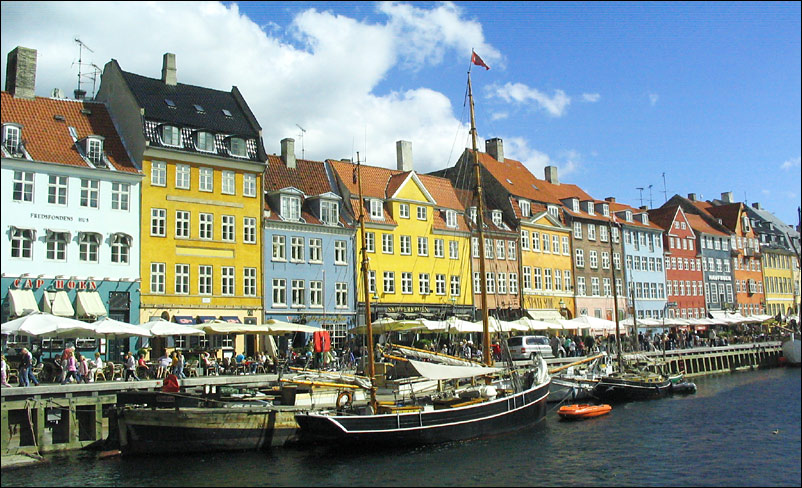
x=451, y=219
x=500, y=249
x=90, y=190
x=88, y=244
x=502, y=283
x=525, y=208
x=204, y=141
x=297, y=245
x=23, y=186
x=455, y=286
x=329, y=212
x=94, y=150
x=525, y=240
x=158, y=173
x=372, y=281
x=279, y=292
x=594, y=286
x=580, y=258
x=157, y=278
x=228, y=228
x=477, y=283
x=513, y=283
x=249, y=282
x=298, y=293
x=340, y=252
x=421, y=212
x=315, y=250
x=228, y=184
x=290, y=208
x=527, y=278
x=546, y=245
x=403, y=210
x=511, y=252
x=236, y=147
x=171, y=136
x=453, y=249
x=249, y=230
x=279, y=249
x=57, y=190
x=206, y=226
x=558, y=279
x=536, y=241
x=567, y=278
x=423, y=284
x=496, y=217
x=204, y=279
x=120, y=248
x=603, y=233
x=182, y=279
x=608, y=291
x=120, y=196
x=21, y=243
x=423, y=246
x=538, y=278
x=181, y=224
x=490, y=282
x=566, y=246
x=555, y=244
x=12, y=135
x=389, y=282
x=158, y=222
x=315, y=293
x=370, y=241
x=340, y=295
x=440, y=284
x=577, y=230
x=387, y=243
x=554, y=211
x=592, y=232
x=182, y=179
x=249, y=185
x=580, y=286
x=439, y=248
x=488, y=248
x=547, y=278
x=605, y=260
x=206, y=179
x=376, y=210
x=406, y=283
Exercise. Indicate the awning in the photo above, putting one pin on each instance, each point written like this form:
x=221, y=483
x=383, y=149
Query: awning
x=206, y=318
x=22, y=302
x=183, y=319
x=230, y=319
x=89, y=304
x=58, y=303
x=544, y=314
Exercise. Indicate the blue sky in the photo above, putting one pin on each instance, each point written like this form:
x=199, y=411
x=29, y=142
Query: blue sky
x=613, y=94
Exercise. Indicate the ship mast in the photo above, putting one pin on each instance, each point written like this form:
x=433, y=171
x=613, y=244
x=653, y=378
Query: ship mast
x=365, y=287
x=615, y=301
x=480, y=224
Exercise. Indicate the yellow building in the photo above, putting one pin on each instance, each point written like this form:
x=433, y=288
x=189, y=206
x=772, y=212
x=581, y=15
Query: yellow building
x=546, y=262
x=201, y=202
x=778, y=280
x=417, y=241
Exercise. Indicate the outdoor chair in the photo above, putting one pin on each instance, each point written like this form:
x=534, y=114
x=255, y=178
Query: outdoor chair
x=12, y=373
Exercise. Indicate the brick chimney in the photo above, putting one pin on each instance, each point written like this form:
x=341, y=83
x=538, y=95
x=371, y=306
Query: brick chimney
x=692, y=197
x=757, y=205
x=551, y=175
x=169, y=73
x=495, y=148
x=21, y=72
x=610, y=199
x=403, y=155
x=726, y=197
x=288, y=152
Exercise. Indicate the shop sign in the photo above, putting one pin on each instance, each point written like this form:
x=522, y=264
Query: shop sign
x=35, y=284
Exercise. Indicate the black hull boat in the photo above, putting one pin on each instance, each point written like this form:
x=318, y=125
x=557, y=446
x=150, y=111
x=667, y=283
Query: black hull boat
x=453, y=423
x=627, y=387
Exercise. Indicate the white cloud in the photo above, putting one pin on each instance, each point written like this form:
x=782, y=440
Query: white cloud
x=320, y=72
x=653, y=98
x=555, y=105
x=791, y=163
x=591, y=97
x=536, y=161
x=500, y=116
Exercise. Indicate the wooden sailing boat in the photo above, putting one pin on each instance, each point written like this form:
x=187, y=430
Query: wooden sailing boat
x=505, y=403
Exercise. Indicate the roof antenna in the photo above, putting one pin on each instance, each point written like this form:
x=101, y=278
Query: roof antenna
x=79, y=93
x=651, y=203
x=641, y=194
x=301, y=135
x=665, y=192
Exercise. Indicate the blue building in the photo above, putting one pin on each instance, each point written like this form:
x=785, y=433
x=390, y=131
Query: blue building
x=309, y=248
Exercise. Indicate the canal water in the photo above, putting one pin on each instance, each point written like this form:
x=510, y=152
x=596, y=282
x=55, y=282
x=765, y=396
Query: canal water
x=740, y=429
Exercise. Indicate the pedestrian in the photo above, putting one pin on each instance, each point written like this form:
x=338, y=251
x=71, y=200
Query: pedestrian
x=26, y=369
x=180, y=365
x=3, y=370
x=71, y=368
x=94, y=367
x=130, y=367
x=82, y=374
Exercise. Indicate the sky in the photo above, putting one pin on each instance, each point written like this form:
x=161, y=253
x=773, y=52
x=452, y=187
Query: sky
x=638, y=101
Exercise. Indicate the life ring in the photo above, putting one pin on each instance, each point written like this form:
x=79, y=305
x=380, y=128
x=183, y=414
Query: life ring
x=345, y=399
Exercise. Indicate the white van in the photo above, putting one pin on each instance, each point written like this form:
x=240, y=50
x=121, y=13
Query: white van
x=527, y=347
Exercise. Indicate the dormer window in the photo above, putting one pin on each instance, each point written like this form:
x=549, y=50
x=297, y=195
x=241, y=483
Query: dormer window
x=525, y=208
x=376, y=209
x=575, y=205
x=204, y=141
x=645, y=218
x=290, y=207
x=329, y=212
x=226, y=113
x=171, y=136
x=94, y=149
x=169, y=103
x=496, y=216
x=554, y=211
x=12, y=136
x=590, y=209
x=472, y=214
x=451, y=218
x=628, y=216
x=236, y=147
x=199, y=109
x=606, y=210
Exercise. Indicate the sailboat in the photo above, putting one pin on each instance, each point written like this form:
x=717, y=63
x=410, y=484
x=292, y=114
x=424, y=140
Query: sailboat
x=508, y=400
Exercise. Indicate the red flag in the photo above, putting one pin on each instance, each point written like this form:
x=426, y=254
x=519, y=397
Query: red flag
x=475, y=59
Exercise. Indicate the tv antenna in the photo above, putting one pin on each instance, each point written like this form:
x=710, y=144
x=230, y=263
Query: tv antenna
x=301, y=135
x=641, y=194
x=79, y=93
x=651, y=203
x=665, y=192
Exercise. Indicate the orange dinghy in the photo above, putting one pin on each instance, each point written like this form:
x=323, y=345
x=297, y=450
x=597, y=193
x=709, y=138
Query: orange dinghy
x=583, y=411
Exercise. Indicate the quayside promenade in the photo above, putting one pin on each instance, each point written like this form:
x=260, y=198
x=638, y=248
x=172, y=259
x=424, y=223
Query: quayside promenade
x=53, y=417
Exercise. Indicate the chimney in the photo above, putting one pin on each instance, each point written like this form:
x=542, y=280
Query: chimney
x=21, y=72
x=79, y=94
x=403, y=155
x=495, y=148
x=551, y=175
x=169, y=76
x=288, y=152
x=610, y=199
x=692, y=197
x=644, y=207
x=727, y=197
x=757, y=205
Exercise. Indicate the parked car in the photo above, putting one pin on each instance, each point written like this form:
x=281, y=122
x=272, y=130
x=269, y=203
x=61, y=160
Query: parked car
x=527, y=347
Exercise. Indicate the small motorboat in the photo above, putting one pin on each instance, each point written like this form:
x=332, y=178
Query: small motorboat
x=582, y=411
x=683, y=388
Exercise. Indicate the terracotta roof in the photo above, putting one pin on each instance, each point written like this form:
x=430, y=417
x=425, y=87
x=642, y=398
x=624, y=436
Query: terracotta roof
x=48, y=139
x=729, y=214
x=442, y=191
x=664, y=216
x=307, y=176
x=516, y=178
x=698, y=224
x=616, y=207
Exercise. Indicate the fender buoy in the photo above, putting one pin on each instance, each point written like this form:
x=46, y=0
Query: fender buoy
x=345, y=399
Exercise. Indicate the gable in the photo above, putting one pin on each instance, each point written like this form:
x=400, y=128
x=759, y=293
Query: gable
x=411, y=189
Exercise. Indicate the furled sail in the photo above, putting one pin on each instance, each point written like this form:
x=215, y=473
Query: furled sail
x=436, y=371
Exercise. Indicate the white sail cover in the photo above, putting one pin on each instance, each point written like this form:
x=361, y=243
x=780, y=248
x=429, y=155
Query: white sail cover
x=435, y=371
x=436, y=357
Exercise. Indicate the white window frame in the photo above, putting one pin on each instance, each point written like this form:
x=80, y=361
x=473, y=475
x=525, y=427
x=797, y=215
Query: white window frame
x=206, y=226
x=120, y=196
x=206, y=179
x=90, y=193
x=157, y=277
x=228, y=183
x=248, y=185
x=158, y=173
x=23, y=186
x=249, y=282
x=205, y=277
x=279, y=248
x=181, y=282
x=158, y=222
x=228, y=228
x=57, y=190
x=249, y=230
x=183, y=176
x=315, y=250
x=340, y=252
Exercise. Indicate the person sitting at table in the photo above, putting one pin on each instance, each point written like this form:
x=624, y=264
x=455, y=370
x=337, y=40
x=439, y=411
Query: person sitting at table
x=95, y=366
